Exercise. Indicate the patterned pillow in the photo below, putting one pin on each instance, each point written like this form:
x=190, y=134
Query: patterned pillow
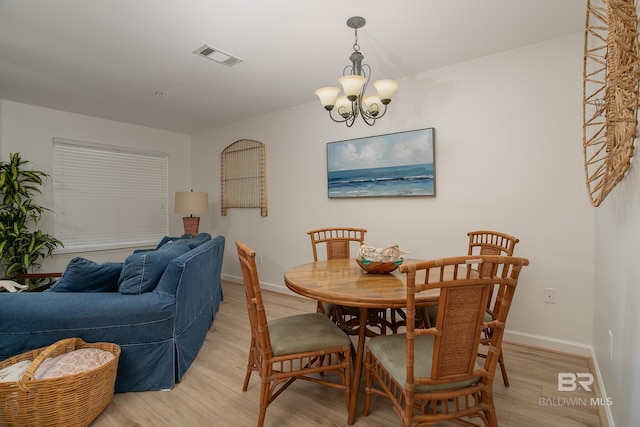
x=74, y=362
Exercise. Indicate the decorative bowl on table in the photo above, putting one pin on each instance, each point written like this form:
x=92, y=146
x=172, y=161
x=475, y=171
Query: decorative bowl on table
x=378, y=267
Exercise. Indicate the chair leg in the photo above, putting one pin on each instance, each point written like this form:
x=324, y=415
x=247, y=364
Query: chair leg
x=368, y=384
x=505, y=379
x=246, y=379
x=250, y=367
x=491, y=417
x=264, y=402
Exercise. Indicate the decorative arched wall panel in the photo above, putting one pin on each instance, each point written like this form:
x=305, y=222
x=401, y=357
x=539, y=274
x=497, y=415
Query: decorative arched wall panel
x=243, y=165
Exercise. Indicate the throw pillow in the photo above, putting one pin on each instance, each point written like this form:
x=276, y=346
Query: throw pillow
x=198, y=240
x=83, y=275
x=193, y=241
x=142, y=271
x=167, y=239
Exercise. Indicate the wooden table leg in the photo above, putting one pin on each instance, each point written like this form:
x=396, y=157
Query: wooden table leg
x=357, y=371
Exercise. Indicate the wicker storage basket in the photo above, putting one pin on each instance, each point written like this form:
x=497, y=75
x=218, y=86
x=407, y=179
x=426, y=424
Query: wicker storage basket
x=71, y=400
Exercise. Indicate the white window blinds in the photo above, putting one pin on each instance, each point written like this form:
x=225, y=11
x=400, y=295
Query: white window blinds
x=108, y=197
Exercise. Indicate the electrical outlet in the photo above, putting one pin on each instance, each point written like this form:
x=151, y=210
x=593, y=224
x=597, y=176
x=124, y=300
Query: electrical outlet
x=258, y=259
x=549, y=295
x=610, y=345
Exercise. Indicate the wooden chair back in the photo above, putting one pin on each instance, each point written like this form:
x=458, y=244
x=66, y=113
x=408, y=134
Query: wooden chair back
x=486, y=242
x=338, y=241
x=465, y=288
x=253, y=295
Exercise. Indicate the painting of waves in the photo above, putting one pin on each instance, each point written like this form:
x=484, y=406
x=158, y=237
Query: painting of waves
x=399, y=164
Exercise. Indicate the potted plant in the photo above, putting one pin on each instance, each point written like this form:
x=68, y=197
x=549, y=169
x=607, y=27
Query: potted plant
x=21, y=247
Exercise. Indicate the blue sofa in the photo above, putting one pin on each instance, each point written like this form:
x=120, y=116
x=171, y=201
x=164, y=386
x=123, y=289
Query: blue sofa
x=160, y=327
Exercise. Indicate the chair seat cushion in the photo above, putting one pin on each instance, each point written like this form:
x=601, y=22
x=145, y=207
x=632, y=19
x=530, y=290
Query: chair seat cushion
x=305, y=332
x=391, y=351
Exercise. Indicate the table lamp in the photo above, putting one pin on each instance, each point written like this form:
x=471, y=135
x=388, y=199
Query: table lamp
x=191, y=203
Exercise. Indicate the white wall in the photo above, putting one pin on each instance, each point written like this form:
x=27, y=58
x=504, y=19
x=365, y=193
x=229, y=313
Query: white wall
x=508, y=157
x=29, y=130
x=617, y=292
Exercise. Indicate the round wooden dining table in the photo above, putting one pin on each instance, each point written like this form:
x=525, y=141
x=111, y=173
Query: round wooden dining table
x=344, y=282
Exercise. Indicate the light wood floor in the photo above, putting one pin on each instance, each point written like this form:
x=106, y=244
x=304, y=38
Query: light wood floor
x=210, y=393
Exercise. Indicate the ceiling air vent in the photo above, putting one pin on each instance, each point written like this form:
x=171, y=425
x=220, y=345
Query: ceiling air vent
x=217, y=55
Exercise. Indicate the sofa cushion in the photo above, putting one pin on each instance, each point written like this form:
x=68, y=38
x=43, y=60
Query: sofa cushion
x=83, y=275
x=142, y=271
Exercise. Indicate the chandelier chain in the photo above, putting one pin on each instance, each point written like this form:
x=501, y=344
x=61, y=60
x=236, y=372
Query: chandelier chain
x=356, y=46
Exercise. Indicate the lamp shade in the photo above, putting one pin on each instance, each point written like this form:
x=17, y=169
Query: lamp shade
x=328, y=96
x=352, y=85
x=191, y=203
x=372, y=104
x=386, y=89
x=344, y=106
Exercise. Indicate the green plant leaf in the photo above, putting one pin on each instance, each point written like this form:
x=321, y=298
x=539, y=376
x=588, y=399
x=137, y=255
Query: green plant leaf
x=20, y=247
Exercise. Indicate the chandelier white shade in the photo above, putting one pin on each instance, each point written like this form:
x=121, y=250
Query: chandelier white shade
x=355, y=102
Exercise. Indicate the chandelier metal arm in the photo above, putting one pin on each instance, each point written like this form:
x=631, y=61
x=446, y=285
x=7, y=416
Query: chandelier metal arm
x=357, y=110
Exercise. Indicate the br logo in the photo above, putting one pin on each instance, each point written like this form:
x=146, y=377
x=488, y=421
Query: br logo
x=568, y=381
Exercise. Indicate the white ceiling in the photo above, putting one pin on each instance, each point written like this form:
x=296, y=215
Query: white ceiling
x=108, y=58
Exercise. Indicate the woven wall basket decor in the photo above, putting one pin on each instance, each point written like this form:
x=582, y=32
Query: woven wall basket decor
x=610, y=93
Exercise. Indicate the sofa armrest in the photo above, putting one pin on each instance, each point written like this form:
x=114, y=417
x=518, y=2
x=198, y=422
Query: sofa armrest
x=194, y=280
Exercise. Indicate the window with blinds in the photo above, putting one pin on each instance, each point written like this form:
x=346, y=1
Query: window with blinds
x=108, y=197
x=244, y=176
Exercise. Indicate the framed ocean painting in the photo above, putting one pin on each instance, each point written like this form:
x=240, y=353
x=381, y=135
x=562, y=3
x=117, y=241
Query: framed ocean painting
x=394, y=165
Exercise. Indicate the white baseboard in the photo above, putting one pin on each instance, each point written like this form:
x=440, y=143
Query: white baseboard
x=548, y=343
x=266, y=286
x=603, y=392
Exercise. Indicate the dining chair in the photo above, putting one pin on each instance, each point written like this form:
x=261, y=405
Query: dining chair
x=487, y=242
x=337, y=242
x=433, y=374
x=304, y=346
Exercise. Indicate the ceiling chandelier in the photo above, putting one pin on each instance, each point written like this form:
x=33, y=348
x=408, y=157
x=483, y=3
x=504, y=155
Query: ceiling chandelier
x=354, y=81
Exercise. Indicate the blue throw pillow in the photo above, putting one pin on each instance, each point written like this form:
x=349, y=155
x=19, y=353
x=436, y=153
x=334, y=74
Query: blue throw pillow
x=167, y=239
x=83, y=275
x=142, y=271
x=193, y=241
x=198, y=240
